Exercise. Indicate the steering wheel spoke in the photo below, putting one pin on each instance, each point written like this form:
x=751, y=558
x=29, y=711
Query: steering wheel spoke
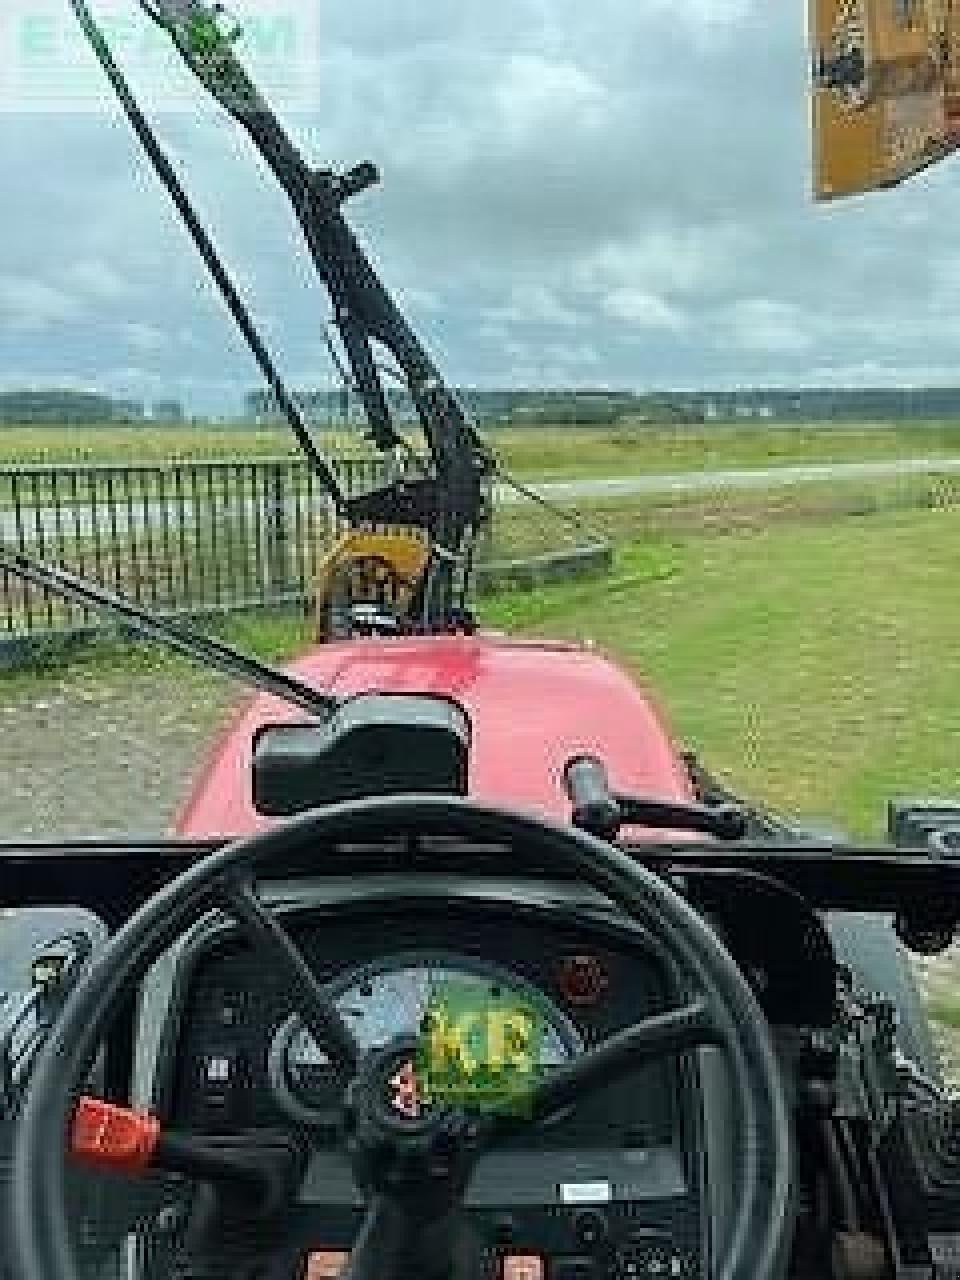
x=661, y=1035
x=383, y=1240
x=392, y=1241
x=320, y=1016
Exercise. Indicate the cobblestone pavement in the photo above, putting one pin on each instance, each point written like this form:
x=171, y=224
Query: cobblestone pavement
x=93, y=753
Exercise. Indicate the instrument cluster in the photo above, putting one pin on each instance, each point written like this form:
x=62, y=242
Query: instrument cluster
x=610, y=1189
x=241, y=1057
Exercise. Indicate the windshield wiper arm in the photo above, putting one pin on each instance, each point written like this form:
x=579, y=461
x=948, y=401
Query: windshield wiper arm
x=192, y=644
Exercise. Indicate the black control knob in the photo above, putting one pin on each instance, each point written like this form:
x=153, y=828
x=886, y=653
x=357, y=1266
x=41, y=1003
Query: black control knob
x=591, y=1229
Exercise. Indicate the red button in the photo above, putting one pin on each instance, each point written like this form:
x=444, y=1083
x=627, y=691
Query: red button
x=113, y=1137
x=522, y=1266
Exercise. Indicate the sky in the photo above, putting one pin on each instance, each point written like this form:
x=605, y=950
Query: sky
x=612, y=193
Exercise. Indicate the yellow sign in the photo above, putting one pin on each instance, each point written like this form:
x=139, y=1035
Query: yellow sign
x=886, y=91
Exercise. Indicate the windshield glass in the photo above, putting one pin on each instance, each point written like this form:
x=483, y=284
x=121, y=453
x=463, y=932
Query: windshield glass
x=627, y=384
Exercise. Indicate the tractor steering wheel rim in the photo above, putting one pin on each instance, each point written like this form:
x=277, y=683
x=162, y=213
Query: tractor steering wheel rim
x=756, y=1245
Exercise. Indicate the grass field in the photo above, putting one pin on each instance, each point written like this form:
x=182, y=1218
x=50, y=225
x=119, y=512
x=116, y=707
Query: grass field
x=522, y=530
x=813, y=665
x=151, y=444
x=231, y=559
x=581, y=452
x=814, y=668
x=532, y=453
x=808, y=656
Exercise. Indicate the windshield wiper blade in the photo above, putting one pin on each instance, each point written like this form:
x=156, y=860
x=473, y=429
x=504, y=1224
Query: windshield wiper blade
x=192, y=644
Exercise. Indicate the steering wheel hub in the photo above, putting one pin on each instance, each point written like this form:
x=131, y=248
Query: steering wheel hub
x=390, y=1080
x=398, y=1140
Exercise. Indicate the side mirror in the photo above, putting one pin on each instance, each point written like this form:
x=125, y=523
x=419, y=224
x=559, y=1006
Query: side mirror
x=372, y=745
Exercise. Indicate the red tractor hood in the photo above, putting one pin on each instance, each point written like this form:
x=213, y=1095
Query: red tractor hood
x=531, y=706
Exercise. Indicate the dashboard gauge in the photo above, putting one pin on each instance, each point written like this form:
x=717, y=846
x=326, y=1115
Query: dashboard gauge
x=305, y=1081
x=394, y=999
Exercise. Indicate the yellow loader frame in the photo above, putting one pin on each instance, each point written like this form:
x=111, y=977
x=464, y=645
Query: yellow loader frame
x=361, y=562
x=902, y=114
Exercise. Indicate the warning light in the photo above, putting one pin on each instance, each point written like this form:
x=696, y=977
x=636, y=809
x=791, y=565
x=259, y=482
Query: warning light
x=582, y=980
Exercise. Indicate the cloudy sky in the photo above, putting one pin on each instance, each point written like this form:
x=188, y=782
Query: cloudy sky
x=613, y=192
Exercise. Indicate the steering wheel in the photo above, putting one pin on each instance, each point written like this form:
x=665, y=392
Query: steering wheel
x=413, y=1170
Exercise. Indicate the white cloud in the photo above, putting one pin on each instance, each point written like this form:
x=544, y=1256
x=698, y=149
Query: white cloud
x=766, y=325
x=614, y=191
x=533, y=94
x=30, y=306
x=538, y=304
x=97, y=280
x=642, y=310
x=145, y=338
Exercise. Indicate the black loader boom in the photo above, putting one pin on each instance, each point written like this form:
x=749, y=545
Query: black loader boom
x=447, y=503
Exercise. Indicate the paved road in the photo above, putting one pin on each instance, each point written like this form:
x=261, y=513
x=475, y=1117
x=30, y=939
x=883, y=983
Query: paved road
x=746, y=478
x=244, y=513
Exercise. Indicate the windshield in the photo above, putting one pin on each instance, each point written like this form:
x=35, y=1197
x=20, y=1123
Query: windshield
x=591, y=366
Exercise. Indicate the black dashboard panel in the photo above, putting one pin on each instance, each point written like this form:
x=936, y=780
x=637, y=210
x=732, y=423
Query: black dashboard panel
x=234, y=1007
x=615, y=1177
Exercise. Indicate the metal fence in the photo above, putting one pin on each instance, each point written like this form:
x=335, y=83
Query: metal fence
x=180, y=538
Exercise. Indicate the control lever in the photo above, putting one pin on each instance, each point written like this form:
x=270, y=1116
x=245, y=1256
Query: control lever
x=602, y=812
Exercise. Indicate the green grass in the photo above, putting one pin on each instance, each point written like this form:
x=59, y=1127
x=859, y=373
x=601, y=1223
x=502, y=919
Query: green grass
x=273, y=637
x=540, y=453
x=520, y=532
x=946, y=1011
x=810, y=658
x=28, y=445
x=813, y=668
x=523, y=530
x=567, y=452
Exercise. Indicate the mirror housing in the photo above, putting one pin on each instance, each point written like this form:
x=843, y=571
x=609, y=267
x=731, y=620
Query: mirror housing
x=372, y=745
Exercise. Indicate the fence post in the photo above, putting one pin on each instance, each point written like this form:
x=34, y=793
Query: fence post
x=278, y=531
x=486, y=534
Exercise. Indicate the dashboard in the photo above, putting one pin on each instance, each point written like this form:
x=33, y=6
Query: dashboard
x=611, y=1183
x=638, y=1180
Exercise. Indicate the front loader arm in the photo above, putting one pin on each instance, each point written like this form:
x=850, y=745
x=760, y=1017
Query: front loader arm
x=364, y=311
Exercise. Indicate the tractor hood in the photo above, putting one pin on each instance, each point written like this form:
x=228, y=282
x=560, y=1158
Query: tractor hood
x=532, y=706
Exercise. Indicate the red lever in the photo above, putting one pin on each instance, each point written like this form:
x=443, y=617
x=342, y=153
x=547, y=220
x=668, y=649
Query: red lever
x=110, y=1137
